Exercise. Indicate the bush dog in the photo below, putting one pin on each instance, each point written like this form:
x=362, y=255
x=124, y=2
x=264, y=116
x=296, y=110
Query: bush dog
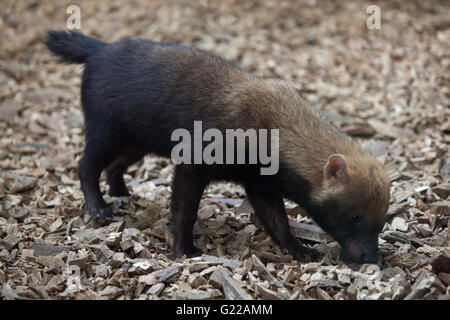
x=135, y=93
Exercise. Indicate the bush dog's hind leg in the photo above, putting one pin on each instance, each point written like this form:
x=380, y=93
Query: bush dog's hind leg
x=269, y=208
x=115, y=171
x=89, y=170
x=187, y=190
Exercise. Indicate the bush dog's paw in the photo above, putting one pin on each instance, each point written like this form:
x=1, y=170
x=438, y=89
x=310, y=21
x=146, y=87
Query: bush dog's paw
x=103, y=215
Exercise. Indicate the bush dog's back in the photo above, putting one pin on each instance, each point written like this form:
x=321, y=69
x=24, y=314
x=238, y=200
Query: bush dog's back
x=137, y=93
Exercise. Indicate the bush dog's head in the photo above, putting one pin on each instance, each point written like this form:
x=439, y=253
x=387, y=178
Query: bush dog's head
x=350, y=203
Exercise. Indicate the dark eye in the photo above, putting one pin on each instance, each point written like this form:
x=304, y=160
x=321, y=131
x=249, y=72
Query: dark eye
x=355, y=219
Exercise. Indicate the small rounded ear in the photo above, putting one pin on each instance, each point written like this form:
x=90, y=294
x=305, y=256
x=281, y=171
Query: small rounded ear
x=335, y=168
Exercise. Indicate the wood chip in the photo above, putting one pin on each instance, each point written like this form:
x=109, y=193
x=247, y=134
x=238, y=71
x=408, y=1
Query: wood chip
x=397, y=209
x=399, y=224
x=441, y=263
x=196, y=295
x=443, y=190
x=18, y=182
x=113, y=239
x=42, y=249
x=8, y=109
x=309, y=231
x=126, y=245
x=264, y=273
x=111, y=292
x=267, y=294
x=79, y=261
x=226, y=262
x=441, y=208
x=88, y=236
x=156, y=289
x=230, y=287
x=117, y=260
x=101, y=271
x=206, y=212
x=10, y=241
x=164, y=275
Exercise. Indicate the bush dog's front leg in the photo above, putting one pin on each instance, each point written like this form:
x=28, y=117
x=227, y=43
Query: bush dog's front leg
x=187, y=190
x=269, y=208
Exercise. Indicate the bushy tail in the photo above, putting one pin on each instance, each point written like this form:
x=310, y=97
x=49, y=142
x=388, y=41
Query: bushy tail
x=73, y=47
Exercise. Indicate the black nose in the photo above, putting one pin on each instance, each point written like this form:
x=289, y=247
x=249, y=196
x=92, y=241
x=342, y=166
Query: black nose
x=369, y=257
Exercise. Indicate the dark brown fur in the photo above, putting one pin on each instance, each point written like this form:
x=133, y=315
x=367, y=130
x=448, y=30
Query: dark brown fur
x=136, y=92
